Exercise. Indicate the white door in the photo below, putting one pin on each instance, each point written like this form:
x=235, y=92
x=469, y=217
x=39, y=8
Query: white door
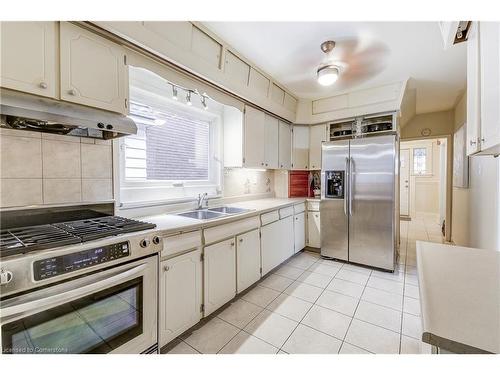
x=473, y=100
x=313, y=229
x=299, y=231
x=93, y=70
x=254, y=135
x=219, y=274
x=271, y=142
x=404, y=183
x=300, y=148
x=28, y=57
x=317, y=136
x=270, y=244
x=180, y=295
x=489, y=46
x=285, y=146
x=286, y=238
x=247, y=259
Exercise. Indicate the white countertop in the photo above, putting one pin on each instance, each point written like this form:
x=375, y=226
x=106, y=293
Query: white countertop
x=460, y=297
x=170, y=223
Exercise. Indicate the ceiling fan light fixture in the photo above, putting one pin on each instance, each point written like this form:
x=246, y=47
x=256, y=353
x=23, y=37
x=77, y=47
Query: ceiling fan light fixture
x=327, y=75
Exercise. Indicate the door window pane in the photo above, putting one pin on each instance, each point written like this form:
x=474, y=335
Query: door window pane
x=419, y=160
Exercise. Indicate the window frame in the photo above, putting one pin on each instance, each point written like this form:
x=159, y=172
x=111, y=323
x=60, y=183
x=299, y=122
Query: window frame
x=164, y=187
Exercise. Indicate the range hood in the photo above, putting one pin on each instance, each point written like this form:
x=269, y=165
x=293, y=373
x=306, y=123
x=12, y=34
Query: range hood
x=30, y=112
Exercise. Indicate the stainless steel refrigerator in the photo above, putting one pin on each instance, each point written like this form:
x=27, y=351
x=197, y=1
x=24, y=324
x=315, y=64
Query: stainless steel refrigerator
x=359, y=200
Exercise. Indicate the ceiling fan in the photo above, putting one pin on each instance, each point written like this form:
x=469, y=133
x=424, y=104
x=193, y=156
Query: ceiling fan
x=350, y=59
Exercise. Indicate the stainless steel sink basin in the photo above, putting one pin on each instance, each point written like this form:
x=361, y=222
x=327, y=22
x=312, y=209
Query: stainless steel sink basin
x=201, y=214
x=229, y=210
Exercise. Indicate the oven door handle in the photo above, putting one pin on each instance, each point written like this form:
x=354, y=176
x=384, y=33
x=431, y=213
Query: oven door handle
x=69, y=294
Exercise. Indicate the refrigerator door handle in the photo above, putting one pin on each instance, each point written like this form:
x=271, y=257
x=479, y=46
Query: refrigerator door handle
x=346, y=185
x=351, y=175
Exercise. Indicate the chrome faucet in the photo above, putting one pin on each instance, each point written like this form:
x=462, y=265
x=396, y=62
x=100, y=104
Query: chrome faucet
x=201, y=198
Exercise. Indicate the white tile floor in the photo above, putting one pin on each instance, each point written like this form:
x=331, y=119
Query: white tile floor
x=312, y=305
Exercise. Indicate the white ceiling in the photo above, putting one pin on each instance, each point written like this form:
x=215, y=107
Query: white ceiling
x=290, y=53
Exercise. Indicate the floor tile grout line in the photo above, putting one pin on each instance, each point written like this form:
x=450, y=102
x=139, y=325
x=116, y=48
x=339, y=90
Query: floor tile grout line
x=307, y=312
x=350, y=323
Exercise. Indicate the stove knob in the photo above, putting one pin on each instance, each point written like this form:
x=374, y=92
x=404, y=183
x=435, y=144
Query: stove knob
x=156, y=240
x=5, y=277
x=144, y=242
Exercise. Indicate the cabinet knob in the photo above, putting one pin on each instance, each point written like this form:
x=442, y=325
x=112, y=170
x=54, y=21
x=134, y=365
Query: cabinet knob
x=241, y=240
x=43, y=85
x=166, y=268
x=232, y=243
x=483, y=140
x=261, y=163
x=72, y=92
x=472, y=142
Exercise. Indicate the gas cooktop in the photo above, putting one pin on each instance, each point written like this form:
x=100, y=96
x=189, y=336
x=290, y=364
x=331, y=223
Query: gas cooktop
x=22, y=240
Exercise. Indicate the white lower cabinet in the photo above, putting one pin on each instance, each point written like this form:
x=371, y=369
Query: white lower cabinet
x=299, y=231
x=219, y=274
x=247, y=259
x=277, y=243
x=180, y=295
x=313, y=229
x=270, y=245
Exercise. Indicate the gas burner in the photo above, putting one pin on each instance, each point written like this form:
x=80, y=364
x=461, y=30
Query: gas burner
x=39, y=237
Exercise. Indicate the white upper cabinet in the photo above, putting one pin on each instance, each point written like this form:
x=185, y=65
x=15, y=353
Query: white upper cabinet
x=317, y=136
x=271, y=142
x=473, y=103
x=285, y=145
x=254, y=138
x=300, y=149
x=93, y=70
x=29, y=57
x=489, y=46
x=236, y=69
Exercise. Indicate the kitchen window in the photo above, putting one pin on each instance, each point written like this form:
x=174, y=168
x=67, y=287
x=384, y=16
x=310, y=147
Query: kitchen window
x=175, y=154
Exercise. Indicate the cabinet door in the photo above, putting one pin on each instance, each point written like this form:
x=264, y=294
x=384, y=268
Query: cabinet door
x=285, y=146
x=247, y=259
x=286, y=238
x=28, y=57
x=299, y=231
x=270, y=243
x=180, y=295
x=219, y=274
x=93, y=70
x=489, y=41
x=271, y=142
x=313, y=229
x=473, y=106
x=300, y=148
x=317, y=135
x=254, y=144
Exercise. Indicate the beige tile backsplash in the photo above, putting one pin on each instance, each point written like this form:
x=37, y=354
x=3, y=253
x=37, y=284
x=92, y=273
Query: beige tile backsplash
x=41, y=168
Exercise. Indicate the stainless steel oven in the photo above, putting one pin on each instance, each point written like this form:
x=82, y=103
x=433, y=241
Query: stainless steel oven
x=110, y=310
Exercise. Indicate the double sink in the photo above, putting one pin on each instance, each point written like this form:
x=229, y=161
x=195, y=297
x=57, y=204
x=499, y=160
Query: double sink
x=214, y=213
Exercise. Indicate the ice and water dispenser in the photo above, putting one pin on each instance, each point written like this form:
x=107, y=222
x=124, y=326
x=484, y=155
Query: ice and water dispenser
x=334, y=184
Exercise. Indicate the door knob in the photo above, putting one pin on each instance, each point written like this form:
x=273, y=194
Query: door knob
x=43, y=85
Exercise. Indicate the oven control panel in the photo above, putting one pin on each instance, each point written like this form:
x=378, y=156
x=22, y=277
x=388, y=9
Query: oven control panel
x=55, y=266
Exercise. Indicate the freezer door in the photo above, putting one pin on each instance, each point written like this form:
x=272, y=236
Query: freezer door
x=333, y=211
x=372, y=201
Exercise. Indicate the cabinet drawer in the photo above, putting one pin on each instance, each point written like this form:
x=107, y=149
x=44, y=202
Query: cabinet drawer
x=298, y=208
x=285, y=212
x=178, y=243
x=312, y=205
x=221, y=232
x=269, y=217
